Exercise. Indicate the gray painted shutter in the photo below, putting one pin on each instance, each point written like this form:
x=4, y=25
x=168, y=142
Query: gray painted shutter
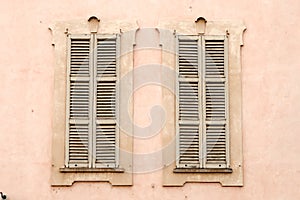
x=106, y=75
x=189, y=101
x=215, y=97
x=79, y=100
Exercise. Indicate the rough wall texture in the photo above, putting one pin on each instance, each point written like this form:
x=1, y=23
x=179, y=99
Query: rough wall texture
x=271, y=93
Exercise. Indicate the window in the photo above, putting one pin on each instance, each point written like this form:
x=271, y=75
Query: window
x=203, y=136
x=88, y=142
x=202, y=119
x=92, y=130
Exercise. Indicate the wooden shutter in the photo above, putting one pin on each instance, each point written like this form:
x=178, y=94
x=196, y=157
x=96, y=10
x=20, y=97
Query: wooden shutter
x=79, y=101
x=189, y=101
x=215, y=96
x=106, y=96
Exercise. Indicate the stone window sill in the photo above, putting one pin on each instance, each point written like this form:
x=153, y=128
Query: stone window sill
x=92, y=170
x=202, y=170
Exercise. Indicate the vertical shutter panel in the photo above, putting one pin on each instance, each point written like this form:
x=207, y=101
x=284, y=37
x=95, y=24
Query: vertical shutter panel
x=216, y=102
x=78, y=101
x=106, y=130
x=187, y=109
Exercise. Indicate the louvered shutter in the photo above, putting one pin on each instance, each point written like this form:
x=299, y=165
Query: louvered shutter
x=216, y=102
x=106, y=74
x=79, y=101
x=189, y=101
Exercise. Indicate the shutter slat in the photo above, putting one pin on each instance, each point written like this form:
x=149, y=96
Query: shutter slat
x=214, y=93
x=106, y=145
x=106, y=137
x=188, y=103
x=215, y=98
x=216, y=138
x=92, y=74
x=106, y=99
x=214, y=59
x=189, y=145
x=79, y=98
x=216, y=144
x=188, y=58
x=78, y=145
x=106, y=57
x=79, y=57
x=188, y=94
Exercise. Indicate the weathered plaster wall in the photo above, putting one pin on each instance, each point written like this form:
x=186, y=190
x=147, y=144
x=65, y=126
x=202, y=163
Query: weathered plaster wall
x=271, y=93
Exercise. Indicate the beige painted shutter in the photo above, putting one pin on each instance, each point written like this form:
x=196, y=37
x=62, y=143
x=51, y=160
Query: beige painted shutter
x=189, y=101
x=79, y=101
x=106, y=97
x=215, y=96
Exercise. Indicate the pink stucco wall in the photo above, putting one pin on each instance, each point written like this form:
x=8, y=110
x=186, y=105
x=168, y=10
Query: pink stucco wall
x=271, y=94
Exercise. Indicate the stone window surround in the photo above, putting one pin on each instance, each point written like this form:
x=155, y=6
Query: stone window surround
x=234, y=30
x=61, y=176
